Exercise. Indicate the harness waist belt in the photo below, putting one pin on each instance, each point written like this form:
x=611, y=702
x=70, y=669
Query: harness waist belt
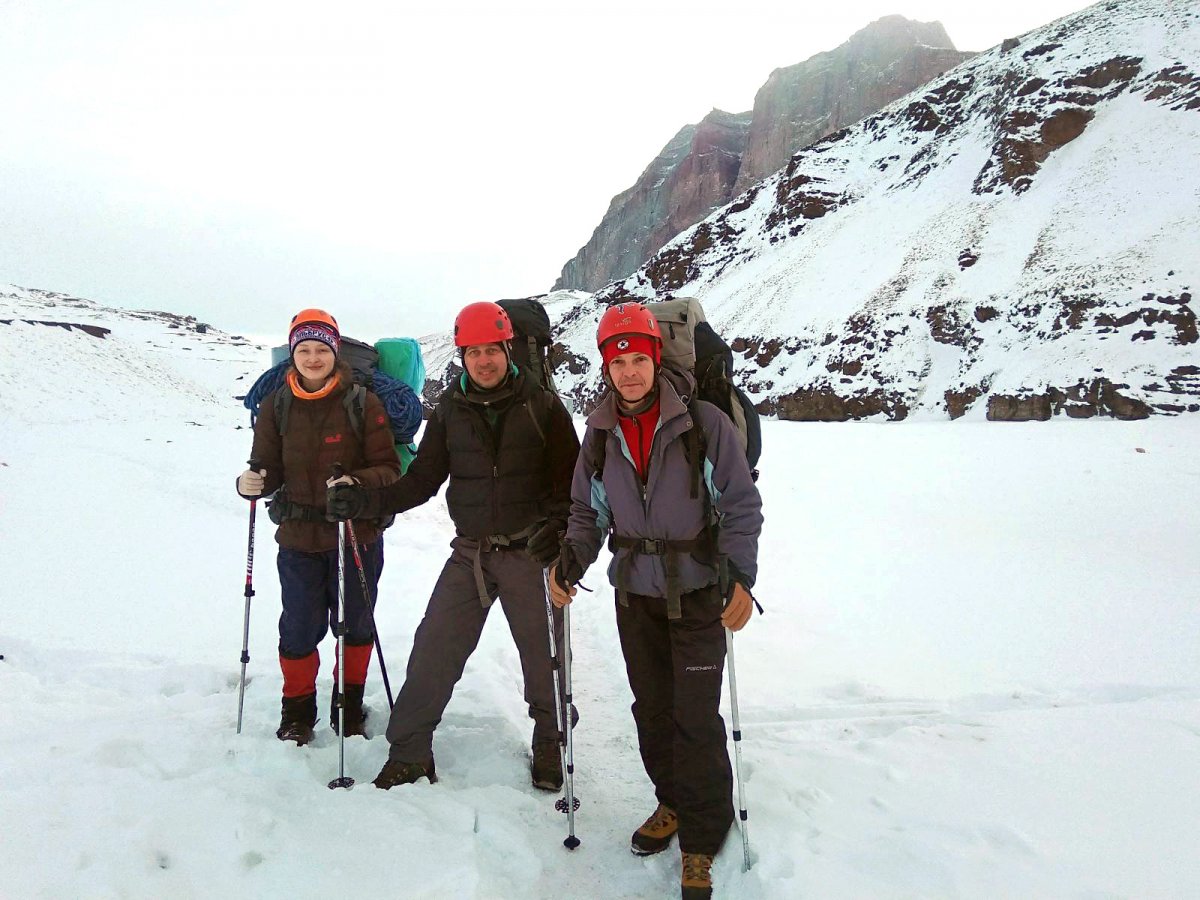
x=282, y=510
x=669, y=550
x=490, y=543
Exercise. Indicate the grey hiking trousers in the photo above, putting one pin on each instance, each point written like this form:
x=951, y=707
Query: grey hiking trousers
x=450, y=631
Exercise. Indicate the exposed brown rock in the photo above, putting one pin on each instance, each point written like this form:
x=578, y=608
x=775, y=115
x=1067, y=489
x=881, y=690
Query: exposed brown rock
x=1099, y=397
x=958, y=402
x=1008, y=408
x=947, y=326
x=1175, y=87
x=1045, y=116
x=1183, y=318
x=826, y=405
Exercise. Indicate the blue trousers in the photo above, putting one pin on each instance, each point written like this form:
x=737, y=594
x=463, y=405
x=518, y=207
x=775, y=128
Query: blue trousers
x=309, y=589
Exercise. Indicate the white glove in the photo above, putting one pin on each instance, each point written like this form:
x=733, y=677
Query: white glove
x=250, y=483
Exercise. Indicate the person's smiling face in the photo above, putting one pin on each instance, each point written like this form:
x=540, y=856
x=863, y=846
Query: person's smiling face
x=314, y=360
x=486, y=364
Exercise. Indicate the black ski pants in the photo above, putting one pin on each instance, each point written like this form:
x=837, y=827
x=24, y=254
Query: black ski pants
x=675, y=669
x=449, y=633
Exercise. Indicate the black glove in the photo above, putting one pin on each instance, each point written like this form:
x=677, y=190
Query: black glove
x=543, y=544
x=346, y=501
x=568, y=570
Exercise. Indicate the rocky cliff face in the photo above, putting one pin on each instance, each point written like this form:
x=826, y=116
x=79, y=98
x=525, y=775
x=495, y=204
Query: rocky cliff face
x=692, y=176
x=706, y=165
x=1016, y=240
x=801, y=104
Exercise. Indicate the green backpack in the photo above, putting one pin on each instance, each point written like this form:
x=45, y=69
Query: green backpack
x=401, y=359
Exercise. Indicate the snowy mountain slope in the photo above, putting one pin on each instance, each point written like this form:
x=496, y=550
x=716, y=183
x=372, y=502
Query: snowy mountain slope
x=127, y=365
x=959, y=688
x=1017, y=239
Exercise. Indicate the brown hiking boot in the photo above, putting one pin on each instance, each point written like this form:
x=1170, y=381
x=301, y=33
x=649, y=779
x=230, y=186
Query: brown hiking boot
x=546, y=767
x=396, y=772
x=656, y=832
x=696, y=883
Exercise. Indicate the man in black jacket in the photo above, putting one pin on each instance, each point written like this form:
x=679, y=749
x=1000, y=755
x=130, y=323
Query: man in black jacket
x=508, y=446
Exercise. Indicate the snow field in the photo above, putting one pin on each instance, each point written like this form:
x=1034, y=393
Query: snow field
x=976, y=675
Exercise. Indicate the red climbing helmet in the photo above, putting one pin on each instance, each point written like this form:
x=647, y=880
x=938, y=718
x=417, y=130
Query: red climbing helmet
x=482, y=323
x=626, y=319
x=314, y=325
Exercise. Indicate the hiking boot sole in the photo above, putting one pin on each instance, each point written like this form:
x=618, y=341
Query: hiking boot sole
x=650, y=850
x=299, y=738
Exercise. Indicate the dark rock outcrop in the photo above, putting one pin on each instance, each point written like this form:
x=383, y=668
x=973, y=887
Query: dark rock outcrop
x=96, y=331
x=1099, y=397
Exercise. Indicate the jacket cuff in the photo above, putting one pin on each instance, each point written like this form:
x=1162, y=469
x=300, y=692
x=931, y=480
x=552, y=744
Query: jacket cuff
x=736, y=574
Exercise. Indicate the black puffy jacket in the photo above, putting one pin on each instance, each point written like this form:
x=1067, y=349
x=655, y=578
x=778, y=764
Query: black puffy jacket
x=509, y=455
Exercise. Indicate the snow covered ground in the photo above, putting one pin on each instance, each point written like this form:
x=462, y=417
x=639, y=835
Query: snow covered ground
x=977, y=675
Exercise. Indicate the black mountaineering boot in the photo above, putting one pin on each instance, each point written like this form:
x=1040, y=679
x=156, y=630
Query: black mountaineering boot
x=656, y=832
x=395, y=772
x=355, y=714
x=299, y=715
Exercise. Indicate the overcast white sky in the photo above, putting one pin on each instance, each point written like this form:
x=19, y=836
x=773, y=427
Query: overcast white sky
x=241, y=160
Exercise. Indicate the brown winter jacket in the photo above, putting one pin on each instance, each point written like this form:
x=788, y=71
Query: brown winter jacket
x=320, y=434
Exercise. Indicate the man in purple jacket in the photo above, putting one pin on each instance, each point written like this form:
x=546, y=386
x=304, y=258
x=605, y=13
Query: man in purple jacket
x=657, y=472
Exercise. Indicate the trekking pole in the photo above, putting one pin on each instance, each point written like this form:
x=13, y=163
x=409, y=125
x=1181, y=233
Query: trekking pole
x=370, y=599
x=341, y=781
x=568, y=802
x=366, y=594
x=249, y=592
x=737, y=748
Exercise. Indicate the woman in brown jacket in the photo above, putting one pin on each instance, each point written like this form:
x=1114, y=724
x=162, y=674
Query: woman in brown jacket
x=319, y=419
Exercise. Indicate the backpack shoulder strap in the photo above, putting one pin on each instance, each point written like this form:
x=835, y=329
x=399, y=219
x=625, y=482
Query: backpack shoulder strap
x=355, y=400
x=545, y=405
x=599, y=448
x=697, y=448
x=283, y=405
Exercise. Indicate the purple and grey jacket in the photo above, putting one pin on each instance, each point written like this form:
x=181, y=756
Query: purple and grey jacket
x=664, y=509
